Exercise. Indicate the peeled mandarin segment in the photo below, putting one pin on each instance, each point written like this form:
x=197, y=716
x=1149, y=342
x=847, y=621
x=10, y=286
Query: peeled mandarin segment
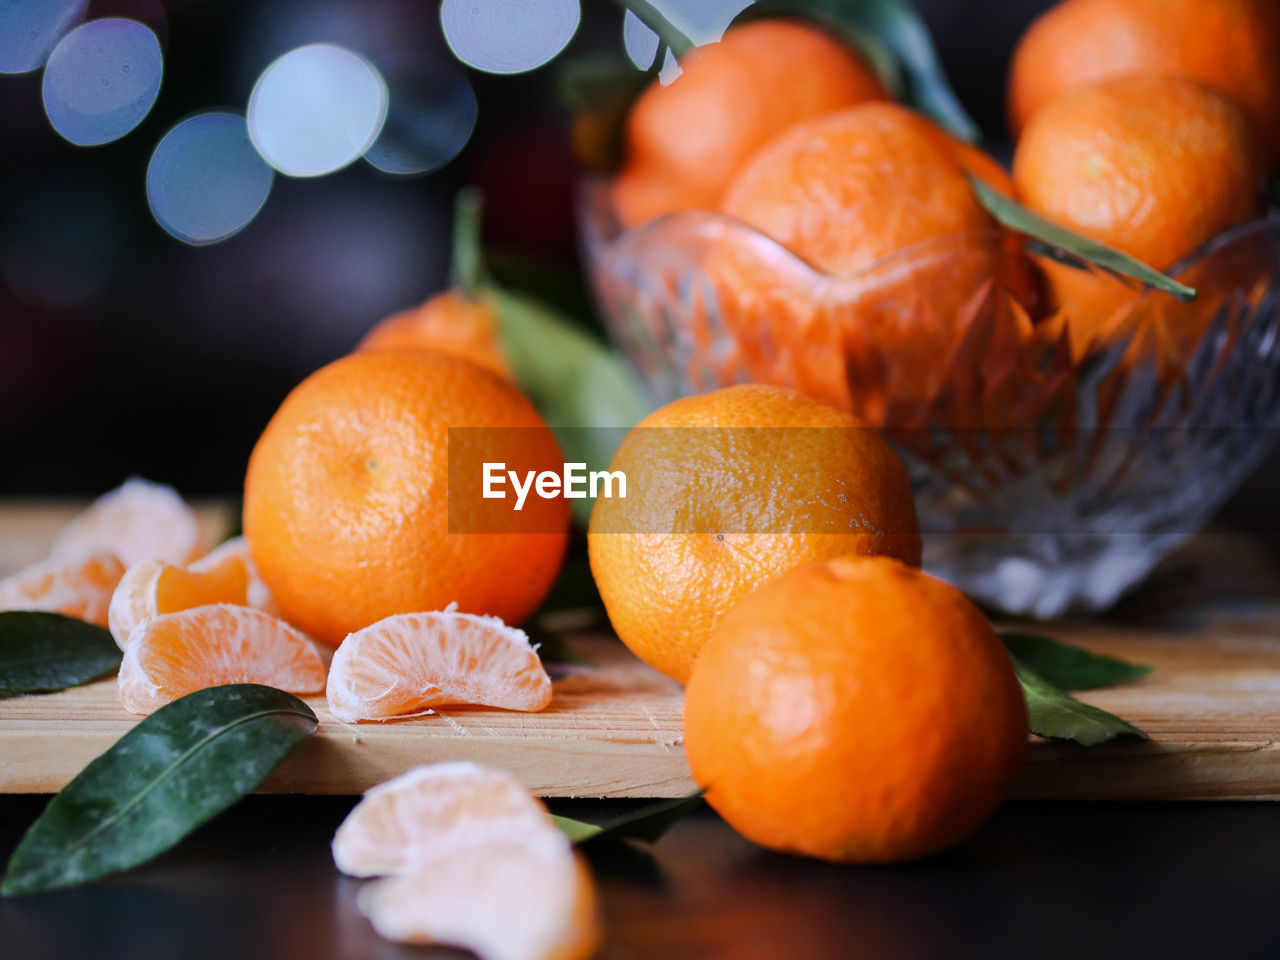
x=137, y=521
x=232, y=560
x=153, y=588
x=409, y=663
x=431, y=810
x=505, y=901
x=179, y=653
x=77, y=587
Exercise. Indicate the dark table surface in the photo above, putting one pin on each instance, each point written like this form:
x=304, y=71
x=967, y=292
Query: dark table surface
x=1040, y=880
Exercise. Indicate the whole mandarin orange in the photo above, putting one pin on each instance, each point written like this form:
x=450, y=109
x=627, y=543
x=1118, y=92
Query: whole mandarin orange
x=855, y=710
x=1230, y=45
x=347, y=504
x=686, y=139
x=449, y=321
x=726, y=490
x=875, y=198
x=1154, y=166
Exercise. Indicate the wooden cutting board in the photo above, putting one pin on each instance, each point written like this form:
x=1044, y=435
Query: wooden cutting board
x=1210, y=625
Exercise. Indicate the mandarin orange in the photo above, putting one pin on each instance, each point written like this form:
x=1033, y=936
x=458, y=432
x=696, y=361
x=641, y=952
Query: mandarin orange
x=728, y=489
x=685, y=140
x=348, y=505
x=1230, y=45
x=855, y=710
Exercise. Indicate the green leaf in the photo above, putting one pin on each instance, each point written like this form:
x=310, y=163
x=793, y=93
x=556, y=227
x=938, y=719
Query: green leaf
x=1017, y=217
x=895, y=26
x=1052, y=713
x=44, y=652
x=1068, y=667
x=466, y=268
x=647, y=824
x=176, y=769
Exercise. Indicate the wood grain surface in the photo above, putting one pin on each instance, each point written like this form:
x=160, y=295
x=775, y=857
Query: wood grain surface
x=1209, y=623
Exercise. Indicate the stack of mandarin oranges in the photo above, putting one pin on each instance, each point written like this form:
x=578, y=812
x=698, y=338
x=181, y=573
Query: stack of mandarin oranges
x=840, y=703
x=1144, y=124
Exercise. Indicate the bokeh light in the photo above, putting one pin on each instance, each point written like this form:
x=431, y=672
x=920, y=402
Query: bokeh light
x=640, y=42
x=431, y=115
x=316, y=109
x=508, y=36
x=101, y=80
x=702, y=21
x=205, y=181
x=29, y=30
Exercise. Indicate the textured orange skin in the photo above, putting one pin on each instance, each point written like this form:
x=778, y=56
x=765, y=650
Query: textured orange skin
x=1155, y=166
x=1231, y=45
x=686, y=140
x=850, y=189
x=856, y=710
x=346, y=507
x=450, y=322
x=665, y=587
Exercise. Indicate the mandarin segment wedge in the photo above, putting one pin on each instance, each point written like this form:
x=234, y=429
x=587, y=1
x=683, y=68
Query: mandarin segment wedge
x=179, y=653
x=75, y=587
x=442, y=806
x=137, y=521
x=153, y=588
x=410, y=663
x=507, y=901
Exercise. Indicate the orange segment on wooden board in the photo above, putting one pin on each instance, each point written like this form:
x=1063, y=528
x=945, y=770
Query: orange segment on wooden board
x=531, y=900
x=153, y=588
x=77, y=587
x=137, y=521
x=179, y=653
x=453, y=806
x=410, y=663
x=226, y=559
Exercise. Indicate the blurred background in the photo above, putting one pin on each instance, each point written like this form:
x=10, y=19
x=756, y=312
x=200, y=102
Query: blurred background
x=135, y=340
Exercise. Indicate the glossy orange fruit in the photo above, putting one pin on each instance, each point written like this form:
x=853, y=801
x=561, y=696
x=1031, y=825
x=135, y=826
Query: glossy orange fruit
x=1155, y=166
x=408, y=664
x=726, y=490
x=855, y=710
x=179, y=653
x=450, y=322
x=79, y=587
x=1230, y=45
x=687, y=139
x=351, y=512
x=876, y=200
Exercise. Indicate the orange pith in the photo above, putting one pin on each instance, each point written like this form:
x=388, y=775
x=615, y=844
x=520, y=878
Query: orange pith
x=179, y=653
x=474, y=860
x=78, y=587
x=413, y=662
x=137, y=521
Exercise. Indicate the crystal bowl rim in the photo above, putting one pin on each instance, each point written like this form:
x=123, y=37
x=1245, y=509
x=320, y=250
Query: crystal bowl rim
x=594, y=207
